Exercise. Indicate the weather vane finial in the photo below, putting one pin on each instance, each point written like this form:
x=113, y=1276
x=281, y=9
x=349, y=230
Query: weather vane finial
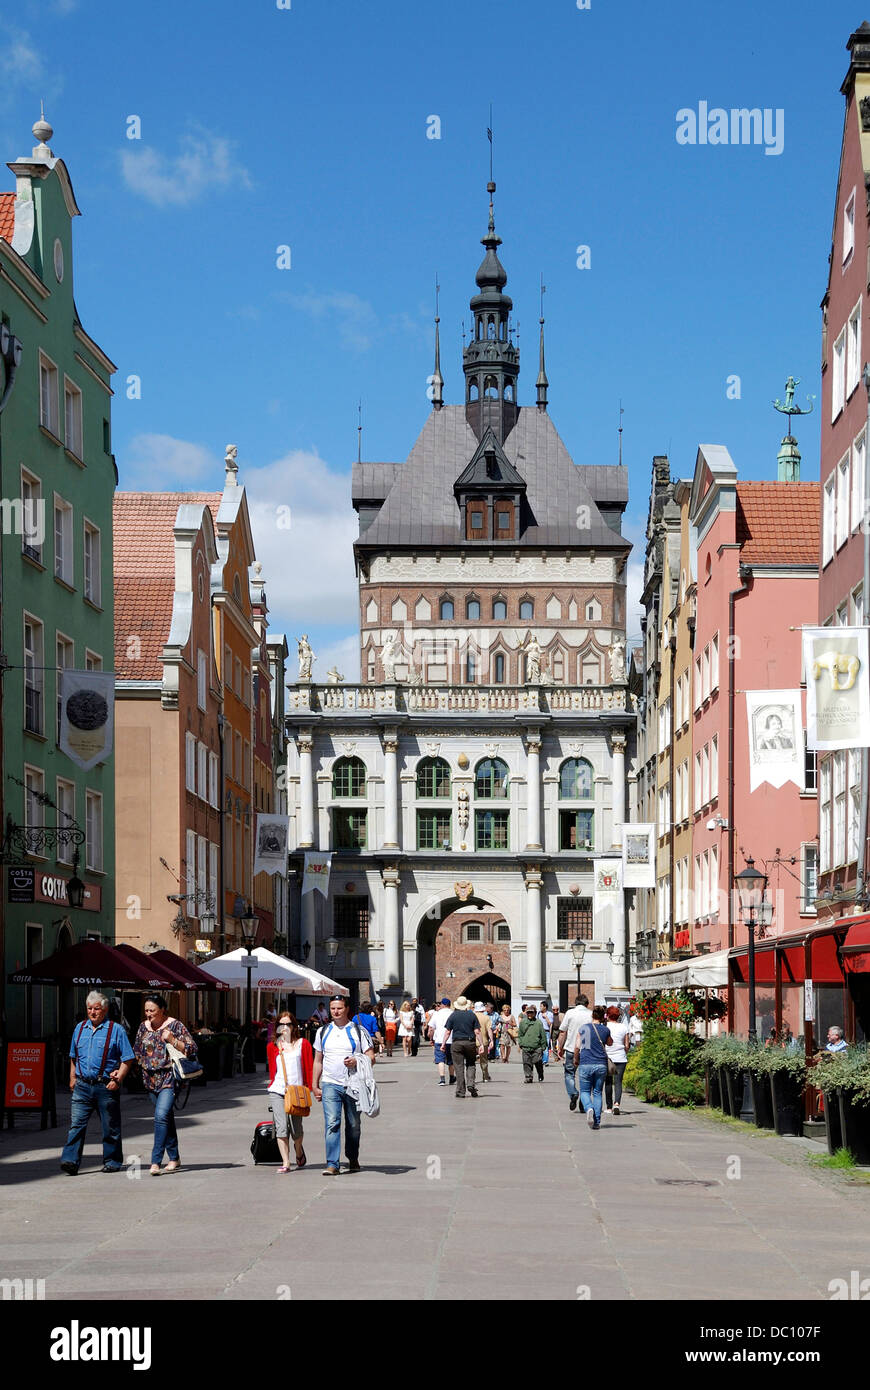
x=789, y=408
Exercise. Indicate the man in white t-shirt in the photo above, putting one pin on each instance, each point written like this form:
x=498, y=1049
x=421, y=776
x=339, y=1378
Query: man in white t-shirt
x=438, y=1032
x=572, y=1021
x=335, y=1052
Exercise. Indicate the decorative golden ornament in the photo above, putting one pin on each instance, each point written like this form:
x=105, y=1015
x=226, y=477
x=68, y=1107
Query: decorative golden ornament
x=463, y=760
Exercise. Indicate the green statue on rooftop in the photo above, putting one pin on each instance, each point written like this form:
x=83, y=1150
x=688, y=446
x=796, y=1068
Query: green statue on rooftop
x=790, y=408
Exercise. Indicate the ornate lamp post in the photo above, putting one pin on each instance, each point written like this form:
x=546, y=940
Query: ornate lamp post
x=331, y=946
x=578, y=951
x=248, y=923
x=751, y=885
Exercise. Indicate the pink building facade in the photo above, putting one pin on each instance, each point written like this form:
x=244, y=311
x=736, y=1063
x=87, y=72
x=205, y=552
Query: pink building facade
x=757, y=584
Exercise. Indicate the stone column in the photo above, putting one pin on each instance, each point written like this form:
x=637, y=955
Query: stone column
x=533, y=782
x=617, y=744
x=391, y=790
x=392, y=937
x=306, y=790
x=619, y=961
x=534, y=928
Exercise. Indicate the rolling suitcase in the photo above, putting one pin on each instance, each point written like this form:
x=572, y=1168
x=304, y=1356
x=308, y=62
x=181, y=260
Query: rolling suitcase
x=264, y=1145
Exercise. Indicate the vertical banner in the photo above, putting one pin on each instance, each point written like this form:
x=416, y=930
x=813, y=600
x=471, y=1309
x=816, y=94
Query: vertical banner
x=87, y=716
x=271, y=852
x=638, y=856
x=776, y=745
x=316, y=874
x=838, y=694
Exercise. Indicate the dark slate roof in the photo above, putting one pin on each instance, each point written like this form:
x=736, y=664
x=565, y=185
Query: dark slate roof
x=475, y=474
x=421, y=508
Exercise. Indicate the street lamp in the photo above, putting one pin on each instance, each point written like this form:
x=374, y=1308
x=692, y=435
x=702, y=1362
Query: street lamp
x=754, y=910
x=331, y=945
x=248, y=923
x=578, y=951
x=75, y=889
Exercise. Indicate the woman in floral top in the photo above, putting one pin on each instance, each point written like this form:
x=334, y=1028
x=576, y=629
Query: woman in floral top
x=156, y=1064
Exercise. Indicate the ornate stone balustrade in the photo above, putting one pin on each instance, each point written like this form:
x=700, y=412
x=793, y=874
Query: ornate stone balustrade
x=456, y=699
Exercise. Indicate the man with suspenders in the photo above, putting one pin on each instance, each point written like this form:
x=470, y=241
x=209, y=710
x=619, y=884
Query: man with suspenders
x=100, y=1057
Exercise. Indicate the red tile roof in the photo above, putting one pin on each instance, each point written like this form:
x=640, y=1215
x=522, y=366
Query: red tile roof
x=144, y=564
x=7, y=215
x=778, y=523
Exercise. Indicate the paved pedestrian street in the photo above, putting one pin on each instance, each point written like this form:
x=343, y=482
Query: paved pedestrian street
x=512, y=1188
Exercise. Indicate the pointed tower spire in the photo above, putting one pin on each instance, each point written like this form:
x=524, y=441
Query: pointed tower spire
x=491, y=362
x=437, y=378
x=542, y=383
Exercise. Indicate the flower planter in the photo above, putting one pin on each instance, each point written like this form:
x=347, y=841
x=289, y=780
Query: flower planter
x=787, y=1098
x=833, y=1122
x=855, y=1127
x=734, y=1081
x=762, y=1101
x=724, y=1093
x=714, y=1088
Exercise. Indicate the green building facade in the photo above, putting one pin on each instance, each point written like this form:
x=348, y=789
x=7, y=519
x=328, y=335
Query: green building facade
x=57, y=480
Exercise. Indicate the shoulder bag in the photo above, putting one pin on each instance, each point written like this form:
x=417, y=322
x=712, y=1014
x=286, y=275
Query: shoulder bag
x=297, y=1099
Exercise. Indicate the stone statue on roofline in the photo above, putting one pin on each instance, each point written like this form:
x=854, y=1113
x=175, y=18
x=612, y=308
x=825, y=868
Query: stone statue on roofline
x=617, y=659
x=306, y=657
x=389, y=656
x=334, y=676
x=532, y=650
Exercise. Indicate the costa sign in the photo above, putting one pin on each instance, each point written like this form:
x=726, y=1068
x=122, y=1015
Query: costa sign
x=51, y=888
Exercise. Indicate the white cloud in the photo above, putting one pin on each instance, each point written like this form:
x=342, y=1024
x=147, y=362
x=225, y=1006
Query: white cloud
x=156, y=462
x=24, y=80
x=205, y=160
x=356, y=319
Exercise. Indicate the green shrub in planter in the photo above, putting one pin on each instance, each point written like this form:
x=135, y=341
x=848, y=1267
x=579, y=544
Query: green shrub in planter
x=677, y=1090
x=629, y=1076
x=845, y=1071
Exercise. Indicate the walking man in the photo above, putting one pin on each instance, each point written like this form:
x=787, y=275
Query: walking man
x=336, y=1048
x=100, y=1056
x=532, y=1040
x=438, y=1035
x=568, y=1028
x=465, y=1045
x=590, y=1058
x=485, y=1027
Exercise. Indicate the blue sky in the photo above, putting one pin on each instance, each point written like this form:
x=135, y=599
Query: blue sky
x=307, y=127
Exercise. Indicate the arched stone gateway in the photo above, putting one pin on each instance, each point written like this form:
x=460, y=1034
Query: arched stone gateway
x=488, y=989
x=460, y=945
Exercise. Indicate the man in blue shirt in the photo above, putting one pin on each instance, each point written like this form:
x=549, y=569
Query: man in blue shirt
x=368, y=1020
x=100, y=1057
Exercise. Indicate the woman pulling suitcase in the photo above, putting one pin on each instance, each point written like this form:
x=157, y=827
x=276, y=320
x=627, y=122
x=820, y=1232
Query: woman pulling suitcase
x=290, y=1067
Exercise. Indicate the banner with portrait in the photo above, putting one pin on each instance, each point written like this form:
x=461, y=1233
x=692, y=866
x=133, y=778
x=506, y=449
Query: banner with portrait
x=838, y=693
x=270, y=856
x=87, y=716
x=776, y=737
x=638, y=856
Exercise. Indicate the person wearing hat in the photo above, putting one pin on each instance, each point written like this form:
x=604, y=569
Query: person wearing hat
x=532, y=1040
x=485, y=1027
x=465, y=1044
x=438, y=1032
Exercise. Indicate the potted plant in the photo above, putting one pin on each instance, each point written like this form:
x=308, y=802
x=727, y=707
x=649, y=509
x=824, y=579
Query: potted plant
x=730, y=1055
x=844, y=1079
x=787, y=1078
x=758, y=1066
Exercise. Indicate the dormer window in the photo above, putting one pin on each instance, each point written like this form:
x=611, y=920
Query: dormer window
x=504, y=520
x=475, y=521
x=491, y=465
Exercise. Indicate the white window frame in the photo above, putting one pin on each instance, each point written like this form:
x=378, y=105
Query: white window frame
x=64, y=567
x=809, y=880
x=66, y=646
x=697, y=785
x=839, y=800
x=213, y=769
x=92, y=563
x=714, y=663
x=34, y=668
x=212, y=879
x=66, y=815
x=190, y=871
x=853, y=350
x=714, y=767
x=838, y=374
x=31, y=501
x=199, y=901
x=34, y=809
x=849, y=227
x=202, y=771
x=73, y=428
x=842, y=501
x=699, y=698
x=48, y=395
x=201, y=678
x=859, y=463
x=856, y=606
x=825, y=815
x=190, y=762
x=94, y=831
x=829, y=518
x=705, y=774
x=93, y=660
x=853, y=805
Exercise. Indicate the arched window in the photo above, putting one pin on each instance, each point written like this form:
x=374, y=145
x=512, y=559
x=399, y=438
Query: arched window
x=499, y=610
x=498, y=669
x=576, y=780
x=527, y=610
x=433, y=777
x=490, y=329
x=472, y=609
x=473, y=391
x=491, y=779
x=479, y=329
x=490, y=388
x=508, y=390
x=502, y=931
x=349, y=777
x=445, y=609
x=471, y=666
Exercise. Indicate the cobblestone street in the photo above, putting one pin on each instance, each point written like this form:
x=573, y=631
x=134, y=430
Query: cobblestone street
x=644, y=1209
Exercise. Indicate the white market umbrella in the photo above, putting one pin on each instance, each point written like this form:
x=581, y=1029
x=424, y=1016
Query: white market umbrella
x=274, y=973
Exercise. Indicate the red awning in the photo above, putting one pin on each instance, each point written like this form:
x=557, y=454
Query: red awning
x=172, y=978
x=91, y=963
x=194, y=977
x=828, y=964
x=855, y=950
